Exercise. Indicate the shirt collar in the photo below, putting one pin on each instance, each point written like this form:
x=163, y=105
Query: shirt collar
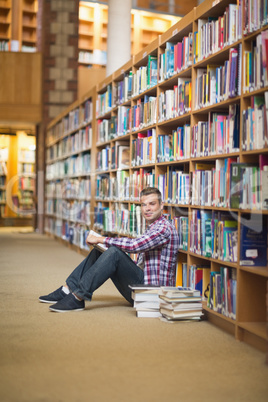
x=157, y=220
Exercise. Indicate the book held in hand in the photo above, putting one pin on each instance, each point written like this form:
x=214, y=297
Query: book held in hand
x=101, y=247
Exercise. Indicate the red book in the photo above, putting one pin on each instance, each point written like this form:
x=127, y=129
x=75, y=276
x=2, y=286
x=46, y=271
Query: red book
x=179, y=56
x=176, y=58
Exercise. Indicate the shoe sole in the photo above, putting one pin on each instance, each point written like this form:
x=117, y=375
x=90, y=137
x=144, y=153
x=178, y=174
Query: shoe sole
x=65, y=311
x=48, y=301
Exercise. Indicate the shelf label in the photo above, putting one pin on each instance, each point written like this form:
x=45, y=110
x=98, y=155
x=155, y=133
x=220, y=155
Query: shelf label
x=122, y=71
x=144, y=54
x=175, y=32
x=215, y=2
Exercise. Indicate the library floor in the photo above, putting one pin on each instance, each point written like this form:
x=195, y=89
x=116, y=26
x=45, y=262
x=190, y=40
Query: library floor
x=105, y=353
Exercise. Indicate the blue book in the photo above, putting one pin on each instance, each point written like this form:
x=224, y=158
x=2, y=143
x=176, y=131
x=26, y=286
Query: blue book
x=253, y=246
x=169, y=59
x=71, y=235
x=206, y=235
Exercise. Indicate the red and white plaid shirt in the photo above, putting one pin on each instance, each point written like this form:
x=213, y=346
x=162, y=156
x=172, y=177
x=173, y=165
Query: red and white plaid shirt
x=157, y=248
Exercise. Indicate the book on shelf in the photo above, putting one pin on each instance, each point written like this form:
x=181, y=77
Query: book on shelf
x=222, y=243
x=206, y=236
x=199, y=278
x=263, y=164
x=245, y=186
x=254, y=123
x=264, y=192
x=181, y=274
x=123, y=157
x=152, y=71
x=226, y=228
x=253, y=243
x=120, y=155
x=169, y=60
x=222, y=292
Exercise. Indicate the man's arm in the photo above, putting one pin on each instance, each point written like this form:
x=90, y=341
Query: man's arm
x=148, y=241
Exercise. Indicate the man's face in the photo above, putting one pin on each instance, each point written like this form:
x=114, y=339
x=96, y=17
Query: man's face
x=151, y=208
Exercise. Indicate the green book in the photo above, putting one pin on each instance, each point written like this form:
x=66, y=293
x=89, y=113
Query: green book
x=236, y=186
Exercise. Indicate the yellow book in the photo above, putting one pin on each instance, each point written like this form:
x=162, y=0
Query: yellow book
x=206, y=282
x=203, y=166
x=196, y=46
x=190, y=96
x=179, y=274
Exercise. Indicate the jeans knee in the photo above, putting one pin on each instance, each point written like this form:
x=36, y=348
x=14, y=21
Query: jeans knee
x=113, y=250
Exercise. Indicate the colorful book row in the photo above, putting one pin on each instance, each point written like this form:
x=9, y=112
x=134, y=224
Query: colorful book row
x=73, y=189
x=213, y=34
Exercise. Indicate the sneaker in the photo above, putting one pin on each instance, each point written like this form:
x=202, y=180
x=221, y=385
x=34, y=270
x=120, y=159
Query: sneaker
x=69, y=303
x=53, y=297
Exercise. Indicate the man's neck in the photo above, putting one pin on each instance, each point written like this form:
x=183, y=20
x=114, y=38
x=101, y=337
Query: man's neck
x=150, y=223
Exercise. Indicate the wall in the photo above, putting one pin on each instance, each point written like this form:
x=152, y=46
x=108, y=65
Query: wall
x=20, y=87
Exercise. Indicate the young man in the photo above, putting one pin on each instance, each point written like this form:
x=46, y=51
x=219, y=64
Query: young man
x=157, y=252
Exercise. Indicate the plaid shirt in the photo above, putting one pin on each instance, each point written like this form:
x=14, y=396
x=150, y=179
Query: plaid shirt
x=157, y=248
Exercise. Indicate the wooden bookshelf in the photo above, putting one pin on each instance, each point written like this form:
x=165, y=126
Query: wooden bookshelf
x=17, y=177
x=147, y=26
x=24, y=25
x=29, y=25
x=18, y=25
x=128, y=92
x=5, y=24
x=69, y=171
x=26, y=176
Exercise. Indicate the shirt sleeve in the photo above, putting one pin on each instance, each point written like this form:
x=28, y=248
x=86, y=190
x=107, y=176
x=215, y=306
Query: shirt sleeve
x=156, y=237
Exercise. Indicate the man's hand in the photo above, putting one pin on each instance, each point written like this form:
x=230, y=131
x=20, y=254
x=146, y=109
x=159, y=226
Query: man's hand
x=91, y=239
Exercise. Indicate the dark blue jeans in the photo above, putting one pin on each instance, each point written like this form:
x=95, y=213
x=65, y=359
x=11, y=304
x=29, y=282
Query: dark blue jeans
x=97, y=267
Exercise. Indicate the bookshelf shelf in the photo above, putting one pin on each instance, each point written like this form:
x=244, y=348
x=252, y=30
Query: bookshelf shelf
x=221, y=321
x=261, y=271
x=219, y=56
x=163, y=152
x=256, y=328
x=219, y=315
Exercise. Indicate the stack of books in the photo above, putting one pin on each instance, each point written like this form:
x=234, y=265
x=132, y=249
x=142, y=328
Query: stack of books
x=180, y=303
x=146, y=300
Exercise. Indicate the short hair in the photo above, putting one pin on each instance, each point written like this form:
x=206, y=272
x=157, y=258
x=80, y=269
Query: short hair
x=151, y=190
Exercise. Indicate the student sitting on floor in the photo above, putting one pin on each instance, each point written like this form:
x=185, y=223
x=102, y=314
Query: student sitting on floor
x=156, y=263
